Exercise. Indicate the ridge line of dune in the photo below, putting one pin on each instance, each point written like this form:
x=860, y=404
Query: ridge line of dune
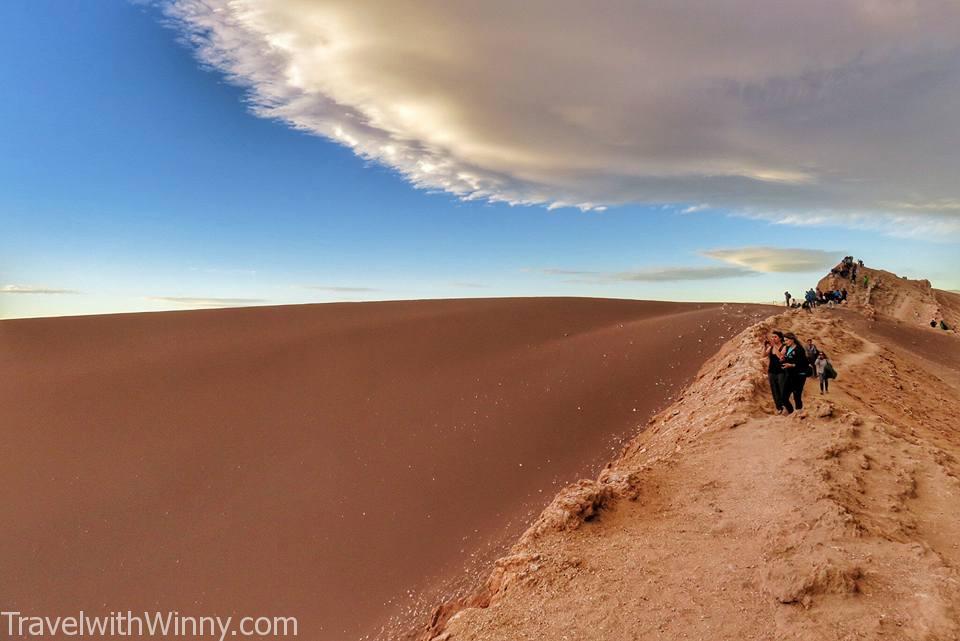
x=730, y=391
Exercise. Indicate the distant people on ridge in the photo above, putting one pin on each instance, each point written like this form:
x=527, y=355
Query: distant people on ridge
x=787, y=296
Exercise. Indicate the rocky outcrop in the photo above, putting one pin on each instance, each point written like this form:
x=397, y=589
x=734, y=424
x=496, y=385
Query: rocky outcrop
x=875, y=292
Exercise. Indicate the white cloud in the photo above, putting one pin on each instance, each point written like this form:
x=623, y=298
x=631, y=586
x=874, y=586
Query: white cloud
x=340, y=289
x=207, y=301
x=31, y=289
x=851, y=106
x=654, y=275
x=776, y=259
x=742, y=261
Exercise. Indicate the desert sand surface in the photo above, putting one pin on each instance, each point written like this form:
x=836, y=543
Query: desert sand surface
x=347, y=464
x=722, y=520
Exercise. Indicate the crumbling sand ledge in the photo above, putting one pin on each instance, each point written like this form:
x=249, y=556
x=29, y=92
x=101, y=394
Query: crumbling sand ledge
x=721, y=521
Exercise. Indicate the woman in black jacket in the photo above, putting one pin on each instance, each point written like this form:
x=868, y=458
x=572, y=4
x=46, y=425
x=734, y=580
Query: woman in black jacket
x=776, y=376
x=797, y=367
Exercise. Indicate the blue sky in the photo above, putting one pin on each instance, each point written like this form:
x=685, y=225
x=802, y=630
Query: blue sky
x=132, y=178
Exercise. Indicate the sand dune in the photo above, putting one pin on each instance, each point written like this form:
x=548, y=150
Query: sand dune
x=314, y=460
x=720, y=520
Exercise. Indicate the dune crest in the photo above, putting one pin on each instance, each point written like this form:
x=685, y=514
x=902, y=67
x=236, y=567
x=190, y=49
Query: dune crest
x=721, y=520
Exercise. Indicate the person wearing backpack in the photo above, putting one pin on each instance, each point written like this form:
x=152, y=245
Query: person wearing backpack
x=797, y=367
x=825, y=371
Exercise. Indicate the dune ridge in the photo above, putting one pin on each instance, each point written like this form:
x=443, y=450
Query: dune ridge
x=720, y=520
x=314, y=460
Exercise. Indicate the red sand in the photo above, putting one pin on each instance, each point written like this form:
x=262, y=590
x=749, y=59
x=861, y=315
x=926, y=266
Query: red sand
x=316, y=461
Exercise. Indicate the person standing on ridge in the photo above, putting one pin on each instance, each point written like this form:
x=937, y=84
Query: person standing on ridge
x=788, y=297
x=797, y=367
x=772, y=351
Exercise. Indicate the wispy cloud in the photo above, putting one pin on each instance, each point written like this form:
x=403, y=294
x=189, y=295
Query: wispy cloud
x=31, y=289
x=207, y=301
x=556, y=271
x=340, y=289
x=229, y=271
x=776, y=259
x=655, y=275
x=741, y=261
x=661, y=103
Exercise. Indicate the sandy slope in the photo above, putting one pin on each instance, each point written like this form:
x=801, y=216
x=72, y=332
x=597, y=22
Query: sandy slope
x=721, y=521
x=313, y=460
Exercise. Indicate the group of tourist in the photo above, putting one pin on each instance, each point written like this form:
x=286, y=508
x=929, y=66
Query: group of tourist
x=789, y=365
x=814, y=297
x=847, y=268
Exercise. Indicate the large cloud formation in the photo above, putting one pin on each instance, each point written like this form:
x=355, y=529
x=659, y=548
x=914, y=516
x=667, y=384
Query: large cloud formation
x=829, y=108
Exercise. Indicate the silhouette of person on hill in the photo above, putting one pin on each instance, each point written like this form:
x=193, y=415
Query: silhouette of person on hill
x=787, y=296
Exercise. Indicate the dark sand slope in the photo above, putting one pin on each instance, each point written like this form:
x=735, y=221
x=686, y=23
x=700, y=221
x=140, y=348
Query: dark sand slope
x=318, y=461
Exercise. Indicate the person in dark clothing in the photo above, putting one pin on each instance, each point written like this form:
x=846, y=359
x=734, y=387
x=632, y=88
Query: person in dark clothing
x=797, y=367
x=788, y=297
x=773, y=350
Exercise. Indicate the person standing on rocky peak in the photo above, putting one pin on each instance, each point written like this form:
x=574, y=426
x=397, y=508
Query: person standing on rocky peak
x=788, y=297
